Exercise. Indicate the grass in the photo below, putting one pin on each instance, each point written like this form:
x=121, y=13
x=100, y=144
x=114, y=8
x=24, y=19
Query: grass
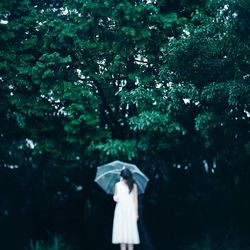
x=56, y=244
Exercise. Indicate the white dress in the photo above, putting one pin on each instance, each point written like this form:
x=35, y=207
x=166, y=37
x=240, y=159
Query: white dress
x=125, y=228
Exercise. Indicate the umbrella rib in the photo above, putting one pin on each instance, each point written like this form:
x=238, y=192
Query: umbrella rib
x=106, y=174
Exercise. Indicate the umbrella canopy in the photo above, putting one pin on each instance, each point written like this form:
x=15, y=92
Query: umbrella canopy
x=109, y=174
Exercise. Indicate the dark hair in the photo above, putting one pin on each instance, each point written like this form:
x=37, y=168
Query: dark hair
x=127, y=175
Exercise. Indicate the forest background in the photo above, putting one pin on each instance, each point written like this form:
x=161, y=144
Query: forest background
x=160, y=83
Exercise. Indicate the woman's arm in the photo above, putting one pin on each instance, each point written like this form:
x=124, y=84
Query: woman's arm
x=115, y=196
x=136, y=200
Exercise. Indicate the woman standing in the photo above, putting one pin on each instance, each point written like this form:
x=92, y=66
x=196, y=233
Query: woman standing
x=125, y=230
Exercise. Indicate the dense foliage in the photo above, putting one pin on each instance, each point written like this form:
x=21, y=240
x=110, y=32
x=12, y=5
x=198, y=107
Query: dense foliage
x=164, y=84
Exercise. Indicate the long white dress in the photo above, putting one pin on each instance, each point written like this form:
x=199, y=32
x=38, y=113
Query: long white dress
x=125, y=228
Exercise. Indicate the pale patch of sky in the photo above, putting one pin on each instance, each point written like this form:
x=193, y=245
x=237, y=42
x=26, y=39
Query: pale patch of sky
x=246, y=76
x=170, y=84
x=3, y=21
x=136, y=81
x=225, y=7
x=122, y=84
x=62, y=111
x=186, y=100
x=186, y=32
x=140, y=59
x=30, y=144
x=80, y=75
x=247, y=113
x=152, y=27
x=151, y=1
x=101, y=65
x=64, y=11
x=171, y=38
x=55, y=104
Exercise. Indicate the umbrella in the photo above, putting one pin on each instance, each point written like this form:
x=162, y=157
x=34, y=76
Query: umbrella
x=109, y=174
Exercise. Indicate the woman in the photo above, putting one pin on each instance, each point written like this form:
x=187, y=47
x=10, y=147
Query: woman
x=125, y=230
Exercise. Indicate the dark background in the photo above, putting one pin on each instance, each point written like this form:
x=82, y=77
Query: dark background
x=186, y=213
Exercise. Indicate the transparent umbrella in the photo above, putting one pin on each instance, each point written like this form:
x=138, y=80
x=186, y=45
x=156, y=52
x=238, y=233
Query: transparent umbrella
x=107, y=175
